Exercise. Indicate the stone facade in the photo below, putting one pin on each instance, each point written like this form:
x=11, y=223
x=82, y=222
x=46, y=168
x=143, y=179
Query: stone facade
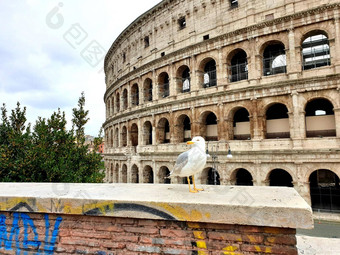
x=258, y=77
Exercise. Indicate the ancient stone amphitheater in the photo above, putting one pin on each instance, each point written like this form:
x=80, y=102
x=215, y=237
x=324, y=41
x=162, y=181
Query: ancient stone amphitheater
x=260, y=78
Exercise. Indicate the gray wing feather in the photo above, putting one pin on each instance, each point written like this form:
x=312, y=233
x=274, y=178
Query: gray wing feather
x=181, y=161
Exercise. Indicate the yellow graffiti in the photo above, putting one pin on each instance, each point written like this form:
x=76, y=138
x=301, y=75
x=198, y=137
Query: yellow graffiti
x=266, y=250
x=229, y=250
x=180, y=213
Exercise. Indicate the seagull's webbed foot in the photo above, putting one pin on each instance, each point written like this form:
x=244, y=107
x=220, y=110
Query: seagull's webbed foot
x=193, y=181
x=191, y=190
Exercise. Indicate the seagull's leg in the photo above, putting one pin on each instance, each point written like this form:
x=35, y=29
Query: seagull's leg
x=193, y=181
x=190, y=190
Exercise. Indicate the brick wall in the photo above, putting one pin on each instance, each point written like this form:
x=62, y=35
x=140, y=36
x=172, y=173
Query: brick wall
x=39, y=233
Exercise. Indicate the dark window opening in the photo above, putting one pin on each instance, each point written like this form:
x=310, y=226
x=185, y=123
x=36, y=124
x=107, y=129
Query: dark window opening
x=244, y=178
x=241, y=129
x=211, y=127
x=186, y=129
x=162, y=54
x=147, y=133
x=164, y=89
x=134, y=174
x=279, y=177
x=134, y=135
x=211, y=119
x=274, y=59
x=209, y=77
x=233, y=4
x=205, y=37
x=163, y=173
x=148, y=175
x=239, y=67
x=163, y=131
x=148, y=90
x=182, y=23
x=125, y=99
x=135, y=95
x=315, y=52
x=213, y=177
x=277, y=122
x=146, y=42
x=320, y=120
x=186, y=80
x=124, y=57
x=325, y=191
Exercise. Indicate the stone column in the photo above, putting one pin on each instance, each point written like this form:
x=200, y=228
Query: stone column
x=253, y=72
x=257, y=122
x=153, y=123
x=172, y=81
x=337, y=121
x=220, y=71
x=293, y=66
x=336, y=52
x=140, y=132
x=154, y=86
x=194, y=79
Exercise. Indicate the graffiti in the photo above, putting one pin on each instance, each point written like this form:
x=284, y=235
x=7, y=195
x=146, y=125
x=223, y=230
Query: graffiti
x=23, y=235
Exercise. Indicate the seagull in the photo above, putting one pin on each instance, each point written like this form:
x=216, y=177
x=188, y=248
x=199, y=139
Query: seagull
x=191, y=162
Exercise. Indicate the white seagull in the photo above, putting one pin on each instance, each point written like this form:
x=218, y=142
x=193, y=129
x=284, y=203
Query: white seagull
x=191, y=162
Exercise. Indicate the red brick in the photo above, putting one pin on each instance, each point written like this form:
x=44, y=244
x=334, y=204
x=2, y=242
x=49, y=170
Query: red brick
x=142, y=230
x=225, y=236
x=284, y=250
x=281, y=239
x=176, y=233
x=279, y=230
x=253, y=238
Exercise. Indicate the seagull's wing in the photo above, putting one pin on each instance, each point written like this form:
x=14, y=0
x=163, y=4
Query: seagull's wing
x=181, y=161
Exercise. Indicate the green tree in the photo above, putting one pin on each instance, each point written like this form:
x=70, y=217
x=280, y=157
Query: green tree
x=48, y=153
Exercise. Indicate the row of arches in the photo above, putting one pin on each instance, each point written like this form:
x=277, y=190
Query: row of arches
x=323, y=183
x=315, y=52
x=319, y=122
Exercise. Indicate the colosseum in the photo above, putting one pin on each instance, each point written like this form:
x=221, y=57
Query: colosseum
x=259, y=80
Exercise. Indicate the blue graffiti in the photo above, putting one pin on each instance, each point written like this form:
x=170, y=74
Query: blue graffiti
x=22, y=245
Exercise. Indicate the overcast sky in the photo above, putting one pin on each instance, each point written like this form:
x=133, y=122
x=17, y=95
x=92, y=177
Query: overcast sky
x=51, y=51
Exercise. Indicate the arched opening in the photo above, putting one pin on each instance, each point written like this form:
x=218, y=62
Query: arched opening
x=147, y=133
x=134, y=174
x=163, y=131
x=241, y=124
x=212, y=177
x=183, y=129
x=116, y=138
x=243, y=178
x=135, y=95
x=147, y=90
x=148, y=174
x=325, y=190
x=111, y=138
x=277, y=122
x=315, y=51
x=134, y=134
x=163, y=173
x=112, y=105
x=183, y=74
x=124, y=174
x=209, y=74
x=320, y=119
x=117, y=102
x=116, y=174
x=124, y=136
x=111, y=177
x=280, y=177
x=125, y=99
x=163, y=87
x=238, y=69
x=209, y=126
x=274, y=59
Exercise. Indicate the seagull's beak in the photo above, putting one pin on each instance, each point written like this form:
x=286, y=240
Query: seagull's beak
x=190, y=142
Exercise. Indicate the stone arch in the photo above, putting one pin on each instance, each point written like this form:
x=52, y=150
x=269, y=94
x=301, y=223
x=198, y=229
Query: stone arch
x=163, y=131
x=277, y=121
x=124, y=174
x=125, y=99
x=320, y=118
x=124, y=136
x=207, y=70
x=134, y=174
x=210, y=176
x=241, y=123
x=183, y=79
x=241, y=176
x=237, y=62
x=324, y=190
x=280, y=177
x=116, y=141
x=147, y=133
x=162, y=174
x=208, y=126
x=147, y=88
x=148, y=174
x=183, y=128
x=116, y=174
x=134, y=134
x=163, y=85
x=273, y=58
x=315, y=50
x=135, y=95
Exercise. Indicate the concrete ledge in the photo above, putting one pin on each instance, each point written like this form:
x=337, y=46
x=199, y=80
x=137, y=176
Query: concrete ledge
x=257, y=206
